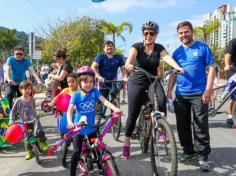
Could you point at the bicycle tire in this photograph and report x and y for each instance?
(116, 128)
(111, 168)
(36, 153)
(45, 107)
(145, 133)
(158, 157)
(64, 151)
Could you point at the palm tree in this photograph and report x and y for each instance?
(111, 29)
(202, 32)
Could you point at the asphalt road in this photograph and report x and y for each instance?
(222, 158)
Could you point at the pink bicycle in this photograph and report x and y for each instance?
(97, 152)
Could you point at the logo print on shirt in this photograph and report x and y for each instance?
(87, 105)
(195, 53)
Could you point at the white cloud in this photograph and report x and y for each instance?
(196, 20)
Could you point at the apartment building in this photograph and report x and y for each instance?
(226, 15)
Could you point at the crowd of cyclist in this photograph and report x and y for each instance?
(193, 86)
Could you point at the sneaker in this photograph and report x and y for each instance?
(126, 152)
(187, 157)
(229, 123)
(43, 146)
(29, 155)
(204, 166)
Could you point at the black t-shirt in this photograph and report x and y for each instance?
(231, 49)
(147, 62)
(68, 68)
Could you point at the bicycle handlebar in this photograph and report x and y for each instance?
(83, 123)
(156, 77)
(14, 84)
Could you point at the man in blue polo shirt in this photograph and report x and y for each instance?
(16, 67)
(106, 66)
(193, 92)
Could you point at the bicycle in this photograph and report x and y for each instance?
(214, 105)
(30, 137)
(97, 152)
(153, 130)
(114, 98)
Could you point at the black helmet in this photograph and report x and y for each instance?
(152, 25)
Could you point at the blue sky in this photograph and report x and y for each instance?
(31, 15)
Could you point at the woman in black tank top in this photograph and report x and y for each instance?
(146, 55)
(64, 68)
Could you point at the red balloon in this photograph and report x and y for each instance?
(14, 133)
(62, 102)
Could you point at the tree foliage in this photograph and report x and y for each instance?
(83, 39)
(202, 31)
(116, 30)
(8, 41)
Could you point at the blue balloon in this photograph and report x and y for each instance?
(62, 126)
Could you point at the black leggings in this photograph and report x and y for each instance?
(136, 98)
(78, 141)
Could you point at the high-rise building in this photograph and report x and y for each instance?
(226, 15)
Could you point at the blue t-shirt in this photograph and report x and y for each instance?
(18, 68)
(194, 59)
(86, 105)
(108, 67)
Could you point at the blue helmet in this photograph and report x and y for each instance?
(152, 25)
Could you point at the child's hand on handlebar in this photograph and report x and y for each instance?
(118, 110)
(181, 70)
(70, 126)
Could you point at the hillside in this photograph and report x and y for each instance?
(21, 36)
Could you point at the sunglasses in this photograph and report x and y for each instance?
(149, 33)
(19, 54)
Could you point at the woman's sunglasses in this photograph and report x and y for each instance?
(149, 33)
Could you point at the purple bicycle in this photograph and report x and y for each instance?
(97, 152)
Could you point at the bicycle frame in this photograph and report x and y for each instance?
(215, 111)
(79, 127)
(113, 92)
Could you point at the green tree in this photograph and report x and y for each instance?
(8, 41)
(202, 32)
(82, 37)
(116, 30)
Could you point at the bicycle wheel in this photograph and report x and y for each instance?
(145, 133)
(163, 150)
(36, 152)
(111, 168)
(45, 107)
(64, 150)
(116, 128)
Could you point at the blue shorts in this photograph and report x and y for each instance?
(233, 96)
